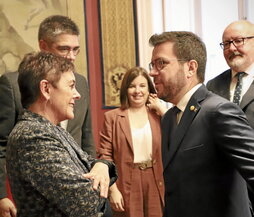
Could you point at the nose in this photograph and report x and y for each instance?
(70, 56)
(232, 47)
(153, 72)
(137, 89)
(76, 95)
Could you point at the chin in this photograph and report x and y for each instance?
(70, 116)
(159, 93)
(235, 64)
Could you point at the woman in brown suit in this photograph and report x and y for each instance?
(131, 138)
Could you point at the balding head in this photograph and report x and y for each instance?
(238, 41)
(238, 27)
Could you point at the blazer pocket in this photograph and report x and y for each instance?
(193, 147)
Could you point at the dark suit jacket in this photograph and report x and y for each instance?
(10, 107)
(210, 156)
(221, 86)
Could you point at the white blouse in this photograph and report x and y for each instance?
(142, 143)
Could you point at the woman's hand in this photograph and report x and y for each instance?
(155, 104)
(116, 199)
(100, 175)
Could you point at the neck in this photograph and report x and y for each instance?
(184, 90)
(137, 109)
(42, 109)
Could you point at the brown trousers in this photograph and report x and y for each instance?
(144, 196)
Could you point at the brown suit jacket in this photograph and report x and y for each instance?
(116, 145)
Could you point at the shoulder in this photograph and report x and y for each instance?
(11, 77)
(220, 78)
(79, 76)
(31, 123)
(206, 100)
(80, 79)
(81, 84)
(153, 115)
(218, 108)
(115, 113)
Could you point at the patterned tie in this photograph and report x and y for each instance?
(238, 88)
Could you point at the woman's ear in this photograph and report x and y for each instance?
(45, 88)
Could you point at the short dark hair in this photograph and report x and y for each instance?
(35, 67)
(187, 46)
(129, 76)
(56, 25)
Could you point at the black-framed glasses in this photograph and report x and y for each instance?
(65, 50)
(236, 42)
(160, 63)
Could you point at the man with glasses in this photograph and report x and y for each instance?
(58, 35)
(207, 142)
(238, 49)
(236, 84)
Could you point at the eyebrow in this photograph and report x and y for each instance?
(67, 46)
(72, 81)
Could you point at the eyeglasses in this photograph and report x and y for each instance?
(65, 50)
(160, 63)
(236, 42)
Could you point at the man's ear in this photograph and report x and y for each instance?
(45, 89)
(193, 66)
(43, 45)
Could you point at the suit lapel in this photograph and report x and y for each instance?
(166, 122)
(248, 96)
(74, 150)
(125, 126)
(225, 85)
(155, 129)
(189, 114)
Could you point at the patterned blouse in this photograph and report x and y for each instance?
(45, 167)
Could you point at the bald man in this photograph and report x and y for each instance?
(238, 49)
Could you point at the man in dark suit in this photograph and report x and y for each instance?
(59, 35)
(238, 50)
(209, 156)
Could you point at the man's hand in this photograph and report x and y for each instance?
(7, 208)
(99, 173)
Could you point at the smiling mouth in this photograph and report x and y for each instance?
(137, 96)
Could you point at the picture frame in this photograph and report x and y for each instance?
(119, 49)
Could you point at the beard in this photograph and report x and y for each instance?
(236, 61)
(172, 87)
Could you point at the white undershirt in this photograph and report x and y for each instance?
(64, 124)
(247, 80)
(142, 143)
